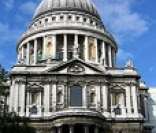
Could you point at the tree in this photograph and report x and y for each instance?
(3, 80)
(9, 121)
(4, 88)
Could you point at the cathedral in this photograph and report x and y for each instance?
(66, 79)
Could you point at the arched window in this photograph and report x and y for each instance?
(76, 95)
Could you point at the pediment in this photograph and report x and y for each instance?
(34, 87)
(75, 67)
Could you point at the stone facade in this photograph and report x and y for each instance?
(66, 80)
(152, 109)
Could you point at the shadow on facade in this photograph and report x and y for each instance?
(15, 125)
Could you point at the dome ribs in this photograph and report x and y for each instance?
(47, 6)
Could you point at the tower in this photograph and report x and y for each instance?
(66, 79)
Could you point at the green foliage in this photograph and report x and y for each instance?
(3, 79)
(15, 124)
(3, 74)
(10, 123)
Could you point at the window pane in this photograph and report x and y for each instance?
(76, 96)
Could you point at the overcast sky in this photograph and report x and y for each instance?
(132, 22)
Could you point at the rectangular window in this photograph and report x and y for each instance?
(76, 96)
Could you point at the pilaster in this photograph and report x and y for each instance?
(128, 99)
(85, 101)
(105, 98)
(54, 96)
(134, 97)
(98, 98)
(22, 98)
(46, 98)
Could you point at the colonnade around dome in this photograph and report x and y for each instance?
(64, 47)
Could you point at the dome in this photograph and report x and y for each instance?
(62, 30)
(85, 6)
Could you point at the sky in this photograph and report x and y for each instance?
(132, 23)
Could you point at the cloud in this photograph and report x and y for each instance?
(8, 34)
(121, 19)
(28, 7)
(151, 69)
(8, 4)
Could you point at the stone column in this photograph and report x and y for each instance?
(76, 47)
(22, 53)
(110, 55)
(40, 104)
(86, 48)
(44, 47)
(46, 98)
(35, 51)
(96, 47)
(71, 129)
(54, 46)
(54, 96)
(59, 129)
(27, 104)
(86, 129)
(65, 48)
(28, 52)
(96, 130)
(65, 96)
(113, 57)
(146, 107)
(128, 99)
(105, 98)
(135, 101)
(104, 53)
